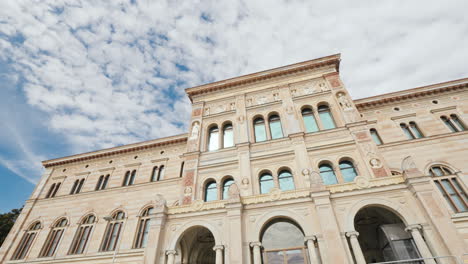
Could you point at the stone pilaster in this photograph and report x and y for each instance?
(235, 251)
(156, 232)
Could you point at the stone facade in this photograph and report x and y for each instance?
(393, 176)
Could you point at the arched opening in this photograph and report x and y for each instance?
(196, 247)
(283, 242)
(382, 236)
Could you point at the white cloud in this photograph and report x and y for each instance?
(106, 72)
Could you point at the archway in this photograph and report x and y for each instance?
(283, 242)
(196, 247)
(382, 236)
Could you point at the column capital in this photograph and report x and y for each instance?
(414, 227)
(171, 252)
(218, 247)
(352, 234)
(313, 238)
(255, 244)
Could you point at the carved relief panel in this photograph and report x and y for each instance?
(308, 87)
(262, 97)
(220, 106)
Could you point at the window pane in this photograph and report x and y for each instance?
(275, 257)
(375, 137)
(326, 118)
(145, 233)
(210, 192)
(437, 171)
(442, 191)
(213, 139)
(161, 173)
(295, 256)
(328, 175)
(286, 181)
(310, 123)
(348, 171)
(457, 121)
(275, 127)
(227, 183)
(405, 129)
(114, 236)
(83, 240)
(228, 140)
(282, 235)
(154, 174)
(415, 130)
(266, 183)
(460, 189)
(448, 124)
(260, 132)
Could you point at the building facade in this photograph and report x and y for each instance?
(280, 166)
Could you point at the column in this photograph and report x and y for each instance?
(356, 248)
(415, 231)
(310, 242)
(171, 256)
(257, 257)
(219, 253)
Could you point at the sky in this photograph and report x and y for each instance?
(77, 76)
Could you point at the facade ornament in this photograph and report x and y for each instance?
(408, 164)
(362, 182)
(293, 92)
(245, 181)
(159, 201)
(232, 106)
(249, 101)
(276, 96)
(207, 111)
(323, 87)
(275, 194)
(188, 190)
(375, 163)
(241, 119)
(197, 205)
(195, 130)
(290, 109)
(305, 172)
(261, 100)
(233, 191)
(344, 102)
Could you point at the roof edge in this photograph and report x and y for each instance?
(262, 75)
(411, 93)
(116, 150)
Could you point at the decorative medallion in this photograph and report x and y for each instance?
(197, 205)
(375, 163)
(275, 194)
(362, 182)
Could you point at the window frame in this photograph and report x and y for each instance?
(84, 230)
(207, 190)
(376, 136)
(282, 178)
(448, 176)
(260, 181)
(213, 137)
(322, 109)
(274, 119)
(27, 240)
(259, 121)
(118, 220)
(309, 113)
(54, 238)
(143, 227)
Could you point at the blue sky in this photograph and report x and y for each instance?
(82, 75)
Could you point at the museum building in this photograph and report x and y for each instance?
(280, 166)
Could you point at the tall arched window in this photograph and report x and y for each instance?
(77, 186)
(453, 123)
(100, 185)
(407, 131)
(259, 130)
(275, 127)
(213, 138)
(266, 182)
(210, 191)
(348, 171)
(143, 228)
(309, 120)
(53, 190)
(26, 242)
(285, 180)
(283, 242)
(226, 184)
(449, 186)
(181, 173)
(326, 117)
(161, 173)
(112, 234)
(228, 136)
(328, 174)
(154, 174)
(53, 239)
(82, 235)
(415, 129)
(375, 136)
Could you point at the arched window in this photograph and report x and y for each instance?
(285, 180)
(213, 138)
(143, 228)
(449, 186)
(228, 136)
(275, 127)
(347, 171)
(53, 190)
(53, 239)
(283, 242)
(210, 191)
(328, 174)
(161, 173)
(112, 234)
(181, 173)
(82, 235)
(104, 183)
(453, 123)
(309, 120)
(406, 130)
(326, 117)
(375, 136)
(26, 242)
(226, 184)
(415, 129)
(77, 186)
(132, 178)
(99, 183)
(259, 130)
(266, 182)
(154, 174)
(126, 179)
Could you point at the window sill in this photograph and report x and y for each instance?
(460, 217)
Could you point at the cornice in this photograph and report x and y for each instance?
(117, 150)
(409, 94)
(333, 60)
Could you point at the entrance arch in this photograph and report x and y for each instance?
(382, 236)
(283, 242)
(196, 247)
